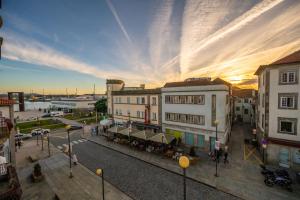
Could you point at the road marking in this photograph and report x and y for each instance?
(80, 141)
(75, 142)
(84, 140)
(59, 147)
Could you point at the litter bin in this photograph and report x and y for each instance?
(298, 177)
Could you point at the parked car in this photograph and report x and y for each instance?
(75, 127)
(39, 131)
(46, 115)
(57, 113)
(22, 136)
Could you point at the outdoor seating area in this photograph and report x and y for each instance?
(147, 140)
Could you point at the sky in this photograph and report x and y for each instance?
(59, 45)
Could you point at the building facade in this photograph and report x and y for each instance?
(190, 109)
(244, 105)
(135, 105)
(278, 114)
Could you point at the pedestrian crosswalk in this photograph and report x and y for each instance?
(60, 147)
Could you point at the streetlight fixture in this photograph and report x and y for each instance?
(49, 153)
(216, 147)
(99, 172)
(68, 127)
(184, 163)
(264, 146)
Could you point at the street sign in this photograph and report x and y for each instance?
(217, 145)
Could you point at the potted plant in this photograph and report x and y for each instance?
(37, 175)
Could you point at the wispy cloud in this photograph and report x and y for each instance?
(26, 50)
(116, 16)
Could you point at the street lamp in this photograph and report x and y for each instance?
(99, 172)
(184, 163)
(68, 127)
(216, 147)
(264, 146)
(49, 153)
(254, 133)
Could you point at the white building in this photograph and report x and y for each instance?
(70, 104)
(190, 108)
(278, 116)
(244, 105)
(134, 104)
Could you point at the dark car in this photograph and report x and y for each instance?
(75, 127)
(46, 115)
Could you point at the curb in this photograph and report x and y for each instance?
(168, 170)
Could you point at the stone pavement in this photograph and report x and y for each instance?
(240, 178)
(84, 184)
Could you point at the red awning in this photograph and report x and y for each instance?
(6, 102)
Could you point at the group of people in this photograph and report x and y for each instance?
(218, 154)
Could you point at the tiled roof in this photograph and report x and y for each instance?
(292, 58)
(134, 92)
(6, 102)
(200, 82)
(242, 93)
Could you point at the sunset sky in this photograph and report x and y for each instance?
(59, 44)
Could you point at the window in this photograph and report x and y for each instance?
(143, 100)
(142, 114)
(237, 108)
(128, 100)
(287, 77)
(227, 99)
(117, 112)
(263, 121)
(246, 101)
(258, 98)
(263, 100)
(287, 125)
(246, 111)
(185, 99)
(263, 79)
(153, 100)
(128, 112)
(185, 118)
(154, 116)
(239, 101)
(138, 100)
(287, 100)
(138, 114)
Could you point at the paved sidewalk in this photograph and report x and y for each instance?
(84, 185)
(240, 178)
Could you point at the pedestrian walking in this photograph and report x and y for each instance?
(19, 143)
(74, 159)
(226, 155)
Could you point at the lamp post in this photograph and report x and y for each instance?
(216, 147)
(49, 153)
(99, 172)
(68, 130)
(184, 163)
(254, 133)
(264, 146)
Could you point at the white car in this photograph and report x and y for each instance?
(23, 136)
(39, 131)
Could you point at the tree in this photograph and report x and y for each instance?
(101, 106)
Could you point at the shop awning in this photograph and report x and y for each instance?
(144, 134)
(162, 138)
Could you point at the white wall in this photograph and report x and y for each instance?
(274, 112)
(222, 109)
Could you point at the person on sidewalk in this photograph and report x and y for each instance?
(74, 158)
(226, 155)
